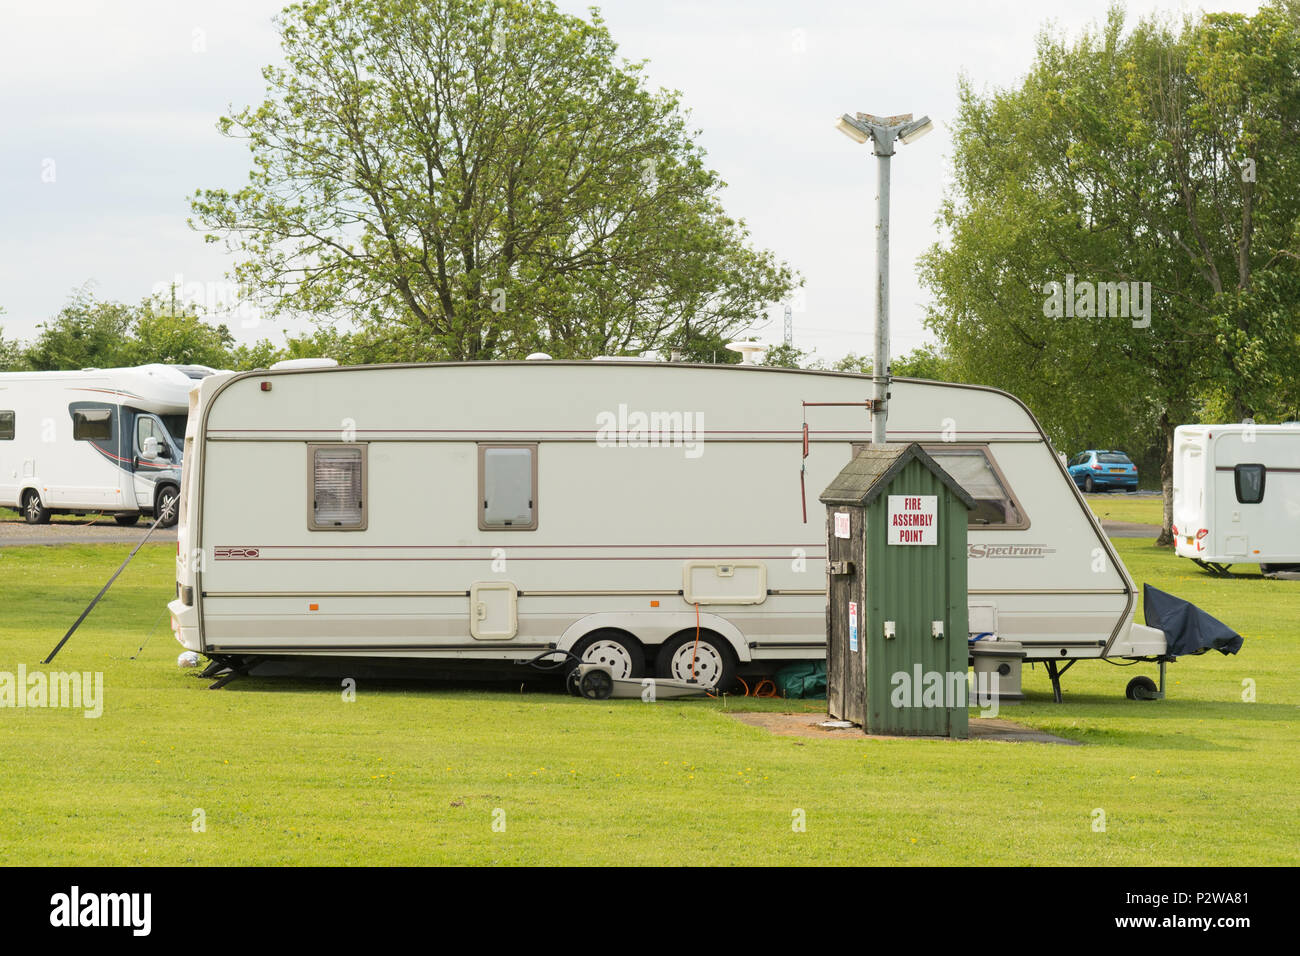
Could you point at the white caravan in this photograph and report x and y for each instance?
(1237, 495)
(98, 440)
(487, 512)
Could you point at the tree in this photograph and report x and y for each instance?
(924, 361)
(787, 356)
(1156, 163)
(693, 345)
(89, 333)
(160, 333)
(86, 333)
(477, 180)
(10, 352)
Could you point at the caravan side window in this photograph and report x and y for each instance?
(507, 487)
(337, 475)
(975, 470)
(1249, 483)
(6, 426)
(92, 424)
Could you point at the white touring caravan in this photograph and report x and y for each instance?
(99, 440)
(1237, 495)
(645, 515)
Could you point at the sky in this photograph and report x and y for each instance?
(108, 112)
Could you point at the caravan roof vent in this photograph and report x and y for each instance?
(749, 351)
(304, 363)
(539, 357)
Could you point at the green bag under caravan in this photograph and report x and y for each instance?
(807, 679)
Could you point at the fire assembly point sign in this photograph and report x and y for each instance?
(913, 519)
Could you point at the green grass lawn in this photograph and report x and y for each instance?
(1118, 506)
(286, 772)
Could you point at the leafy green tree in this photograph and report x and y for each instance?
(924, 361)
(175, 337)
(86, 333)
(690, 344)
(788, 356)
(478, 179)
(261, 354)
(11, 359)
(1163, 158)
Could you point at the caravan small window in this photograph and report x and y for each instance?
(1249, 482)
(92, 424)
(338, 487)
(6, 426)
(975, 470)
(507, 487)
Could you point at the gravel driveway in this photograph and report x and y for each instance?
(70, 529)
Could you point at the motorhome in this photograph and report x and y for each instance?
(96, 440)
(1237, 495)
(660, 518)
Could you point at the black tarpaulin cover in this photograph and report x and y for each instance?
(1188, 629)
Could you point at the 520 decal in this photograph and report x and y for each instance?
(224, 554)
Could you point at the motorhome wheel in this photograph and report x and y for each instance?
(618, 652)
(33, 510)
(127, 521)
(711, 663)
(166, 506)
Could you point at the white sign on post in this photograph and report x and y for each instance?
(841, 524)
(913, 519)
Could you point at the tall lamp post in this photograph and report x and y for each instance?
(882, 131)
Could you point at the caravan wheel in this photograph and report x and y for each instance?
(33, 511)
(711, 663)
(615, 650)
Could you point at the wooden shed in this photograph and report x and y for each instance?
(896, 616)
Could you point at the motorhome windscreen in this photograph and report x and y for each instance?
(338, 479)
(974, 470)
(175, 427)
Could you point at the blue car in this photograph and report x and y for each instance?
(1099, 470)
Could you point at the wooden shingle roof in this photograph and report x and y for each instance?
(863, 479)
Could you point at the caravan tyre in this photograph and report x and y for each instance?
(33, 511)
(711, 663)
(166, 506)
(619, 652)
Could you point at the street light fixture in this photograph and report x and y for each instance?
(882, 131)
